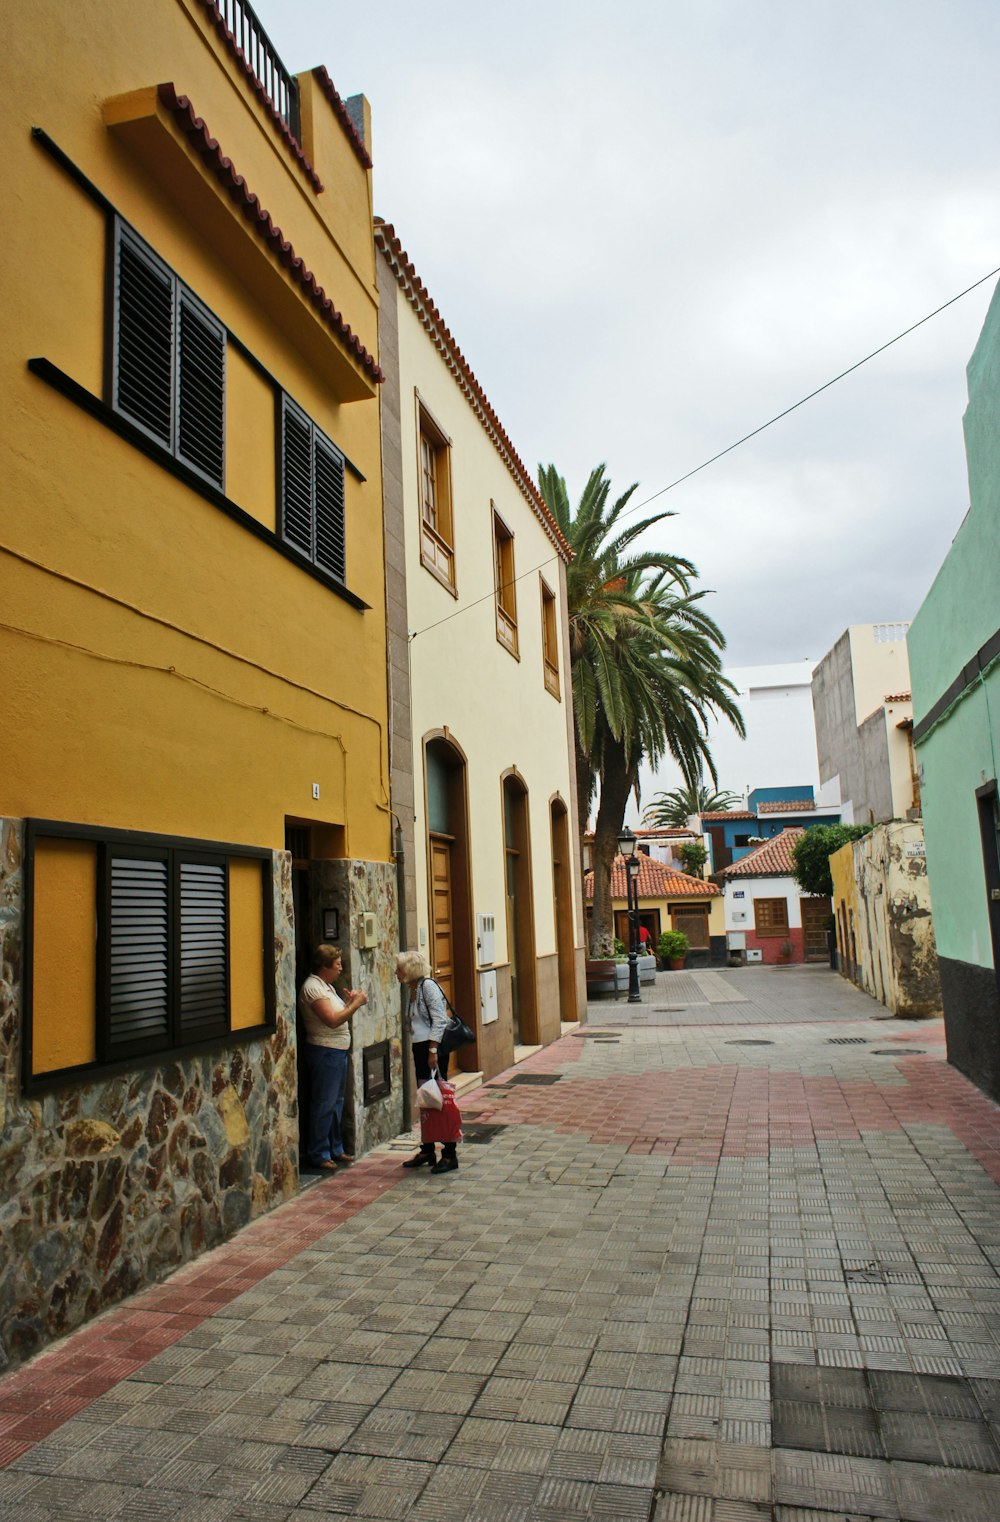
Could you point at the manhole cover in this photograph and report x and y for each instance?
(750, 1041)
(670, 1009)
(900, 1051)
(532, 1078)
(846, 1041)
(480, 1133)
(589, 1036)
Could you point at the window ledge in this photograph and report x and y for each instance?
(160, 128)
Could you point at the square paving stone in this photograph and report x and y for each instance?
(925, 1493)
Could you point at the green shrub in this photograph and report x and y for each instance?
(673, 945)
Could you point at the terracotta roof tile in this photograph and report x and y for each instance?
(420, 300)
(786, 806)
(772, 859)
(727, 814)
(656, 880)
(898, 697)
(342, 114)
(261, 221)
(291, 142)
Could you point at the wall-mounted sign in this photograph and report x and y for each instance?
(738, 893)
(916, 848)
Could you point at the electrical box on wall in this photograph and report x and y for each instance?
(367, 931)
(488, 1008)
(754, 954)
(486, 940)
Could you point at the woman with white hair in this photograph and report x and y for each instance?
(427, 1014)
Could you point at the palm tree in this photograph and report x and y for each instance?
(645, 665)
(674, 809)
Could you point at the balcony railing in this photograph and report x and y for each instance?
(259, 52)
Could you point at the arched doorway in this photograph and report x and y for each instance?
(520, 912)
(449, 894)
(562, 897)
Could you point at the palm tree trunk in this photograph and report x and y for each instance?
(618, 778)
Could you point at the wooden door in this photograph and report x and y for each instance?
(442, 957)
(815, 913)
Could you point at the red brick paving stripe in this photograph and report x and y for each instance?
(61, 1382)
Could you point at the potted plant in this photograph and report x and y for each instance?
(673, 948)
(785, 952)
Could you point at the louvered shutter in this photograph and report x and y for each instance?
(201, 390)
(144, 337)
(328, 478)
(296, 480)
(138, 955)
(203, 994)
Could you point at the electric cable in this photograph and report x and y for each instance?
(637, 506)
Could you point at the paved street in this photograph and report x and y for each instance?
(728, 1255)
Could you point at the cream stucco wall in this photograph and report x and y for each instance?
(880, 666)
(495, 707)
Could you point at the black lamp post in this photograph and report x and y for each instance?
(627, 846)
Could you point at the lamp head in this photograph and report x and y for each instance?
(627, 843)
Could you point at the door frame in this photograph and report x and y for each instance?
(463, 919)
(523, 956)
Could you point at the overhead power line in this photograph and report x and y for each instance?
(638, 506)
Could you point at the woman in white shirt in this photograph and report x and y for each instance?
(326, 1016)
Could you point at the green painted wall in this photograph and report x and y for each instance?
(959, 614)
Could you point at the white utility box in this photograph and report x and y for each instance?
(488, 1010)
(486, 940)
(754, 954)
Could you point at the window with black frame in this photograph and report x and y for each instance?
(168, 358)
(311, 487)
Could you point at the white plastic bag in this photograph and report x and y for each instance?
(429, 1095)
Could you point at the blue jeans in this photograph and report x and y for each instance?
(327, 1080)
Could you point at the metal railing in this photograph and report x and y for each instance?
(262, 58)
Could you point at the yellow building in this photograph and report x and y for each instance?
(668, 900)
(195, 754)
(482, 706)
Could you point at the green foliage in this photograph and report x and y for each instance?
(813, 850)
(673, 945)
(619, 947)
(694, 857)
(673, 810)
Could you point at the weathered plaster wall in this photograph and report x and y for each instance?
(109, 1185)
(882, 879)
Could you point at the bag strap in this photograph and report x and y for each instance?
(441, 991)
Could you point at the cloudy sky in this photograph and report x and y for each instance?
(653, 226)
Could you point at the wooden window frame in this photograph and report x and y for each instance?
(681, 912)
(315, 525)
(195, 400)
(437, 519)
(178, 1036)
(550, 638)
(772, 931)
(504, 584)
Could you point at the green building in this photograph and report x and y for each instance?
(954, 645)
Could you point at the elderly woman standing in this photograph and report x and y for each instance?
(326, 1017)
(427, 1014)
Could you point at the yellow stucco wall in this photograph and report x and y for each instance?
(64, 955)
(169, 671)
(495, 707)
(882, 892)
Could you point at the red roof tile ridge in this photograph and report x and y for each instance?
(342, 114)
(772, 858)
(720, 814)
(292, 143)
(786, 805)
(263, 224)
(898, 697)
(423, 304)
(656, 880)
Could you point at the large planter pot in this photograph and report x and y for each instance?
(647, 969)
(677, 964)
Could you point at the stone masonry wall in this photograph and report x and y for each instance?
(107, 1186)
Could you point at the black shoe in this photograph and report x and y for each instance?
(420, 1159)
(446, 1165)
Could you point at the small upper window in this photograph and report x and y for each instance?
(168, 372)
(312, 492)
(437, 538)
(550, 639)
(503, 577)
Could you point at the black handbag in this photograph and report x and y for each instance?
(456, 1032)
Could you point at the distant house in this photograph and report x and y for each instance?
(668, 900)
(765, 910)
(732, 835)
(864, 724)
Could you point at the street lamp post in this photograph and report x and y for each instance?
(627, 846)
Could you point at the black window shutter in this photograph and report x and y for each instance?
(201, 391)
(144, 339)
(203, 992)
(138, 955)
(328, 476)
(296, 479)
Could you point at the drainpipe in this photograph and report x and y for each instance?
(404, 1029)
